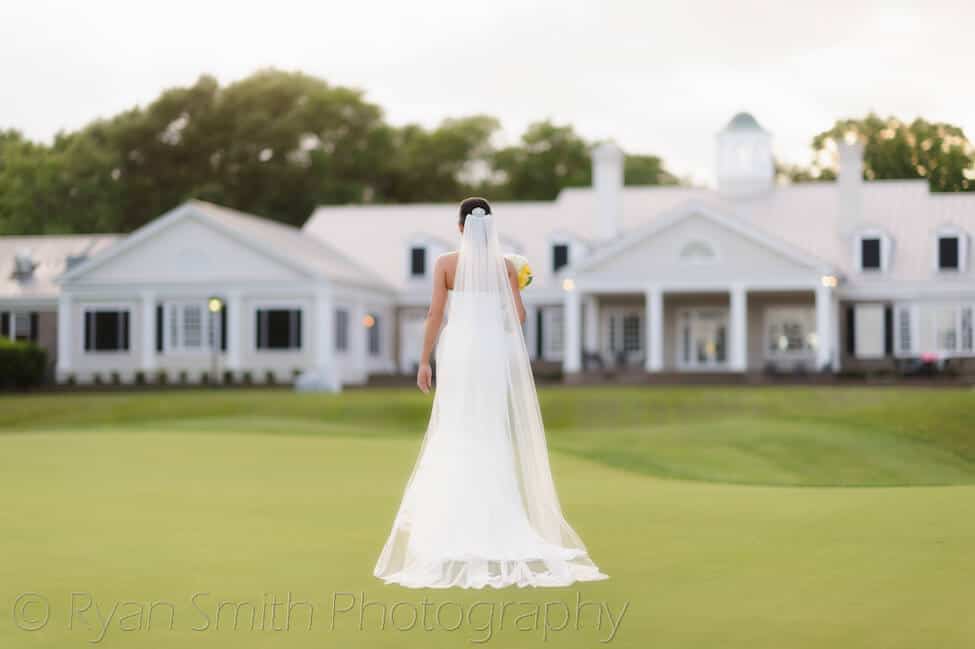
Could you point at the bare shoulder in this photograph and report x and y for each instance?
(447, 260)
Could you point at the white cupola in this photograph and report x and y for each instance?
(744, 165)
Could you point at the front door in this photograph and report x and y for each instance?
(622, 334)
(702, 338)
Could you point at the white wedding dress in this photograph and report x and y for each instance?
(480, 508)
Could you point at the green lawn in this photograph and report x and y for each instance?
(726, 518)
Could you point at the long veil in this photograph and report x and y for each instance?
(480, 507)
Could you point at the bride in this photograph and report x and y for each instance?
(480, 508)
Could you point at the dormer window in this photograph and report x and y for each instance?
(872, 252)
(560, 256)
(950, 250)
(418, 261)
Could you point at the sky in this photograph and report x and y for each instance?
(657, 77)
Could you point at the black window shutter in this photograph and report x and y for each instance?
(125, 331)
(850, 331)
(889, 330)
(538, 335)
(5, 324)
(33, 326)
(89, 318)
(298, 328)
(258, 331)
(159, 328)
(223, 326)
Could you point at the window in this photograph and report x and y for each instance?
(278, 329)
(19, 325)
(624, 331)
(870, 253)
(418, 261)
(375, 340)
(106, 330)
(790, 331)
(948, 253)
(945, 328)
(554, 332)
(968, 329)
(191, 327)
(341, 330)
(905, 320)
(704, 338)
(697, 252)
(560, 256)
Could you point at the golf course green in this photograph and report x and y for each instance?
(791, 517)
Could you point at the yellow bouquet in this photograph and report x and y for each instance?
(524, 271)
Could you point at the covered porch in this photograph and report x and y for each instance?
(735, 328)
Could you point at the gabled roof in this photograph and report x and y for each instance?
(50, 254)
(283, 243)
(692, 208)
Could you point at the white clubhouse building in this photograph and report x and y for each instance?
(749, 277)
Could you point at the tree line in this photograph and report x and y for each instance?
(280, 143)
(277, 144)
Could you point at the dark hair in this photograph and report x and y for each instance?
(468, 205)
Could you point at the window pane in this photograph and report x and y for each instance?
(947, 332)
(192, 326)
(631, 333)
(560, 256)
(341, 330)
(948, 253)
(904, 329)
(967, 333)
(20, 326)
(108, 330)
(870, 253)
(418, 261)
(374, 338)
(278, 328)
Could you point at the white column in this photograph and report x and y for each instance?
(824, 326)
(65, 335)
(572, 340)
(654, 317)
(235, 320)
(148, 342)
(590, 330)
(738, 298)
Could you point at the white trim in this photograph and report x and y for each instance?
(962, 236)
(885, 250)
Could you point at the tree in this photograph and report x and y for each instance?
(646, 170)
(548, 158)
(894, 149)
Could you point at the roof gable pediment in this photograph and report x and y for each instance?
(695, 243)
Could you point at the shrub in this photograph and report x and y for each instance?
(140, 378)
(116, 378)
(161, 377)
(184, 377)
(248, 377)
(269, 377)
(204, 378)
(22, 364)
(228, 377)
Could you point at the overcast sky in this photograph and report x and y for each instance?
(657, 77)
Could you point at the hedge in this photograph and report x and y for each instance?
(22, 364)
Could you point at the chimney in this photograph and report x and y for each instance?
(850, 181)
(607, 181)
(23, 264)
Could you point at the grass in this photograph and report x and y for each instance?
(256, 494)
